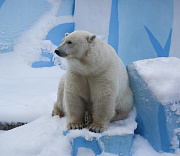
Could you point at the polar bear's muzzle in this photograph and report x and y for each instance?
(60, 53)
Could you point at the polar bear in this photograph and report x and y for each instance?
(96, 84)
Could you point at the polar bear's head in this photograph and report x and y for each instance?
(75, 45)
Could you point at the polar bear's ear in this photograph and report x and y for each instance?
(66, 34)
(91, 38)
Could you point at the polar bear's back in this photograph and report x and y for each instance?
(117, 65)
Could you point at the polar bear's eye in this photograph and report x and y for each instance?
(69, 42)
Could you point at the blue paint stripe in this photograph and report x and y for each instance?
(41, 64)
(81, 142)
(164, 135)
(66, 8)
(168, 44)
(113, 38)
(73, 8)
(56, 34)
(161, 52)
(155, 43)
(1, 2)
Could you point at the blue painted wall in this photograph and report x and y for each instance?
(160, 51)
(56, 34)
(145, 28)
(138, 29)
(16, 16)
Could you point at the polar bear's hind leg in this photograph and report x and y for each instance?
(124, 107)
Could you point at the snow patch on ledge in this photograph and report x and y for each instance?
(122, 127)
(162, 76)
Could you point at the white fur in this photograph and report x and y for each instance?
(96, 81)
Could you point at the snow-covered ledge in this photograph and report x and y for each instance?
(117, 139)
(156, 87)
(48, 135)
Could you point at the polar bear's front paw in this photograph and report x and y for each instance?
(75, 126)
(96, 128)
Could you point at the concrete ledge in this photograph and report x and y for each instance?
(117, 139)
(156, 122)
(117, 144)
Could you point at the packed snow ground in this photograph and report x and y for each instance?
(44, 136)
(26, 93)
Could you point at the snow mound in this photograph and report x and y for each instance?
(26, 93)
(45, 136)
(162, 76)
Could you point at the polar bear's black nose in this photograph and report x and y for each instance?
(57, 52)
(60, 53)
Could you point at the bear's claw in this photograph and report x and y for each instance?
(75, 126)
(96, 128)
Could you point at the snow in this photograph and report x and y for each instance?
(122, 127)
(162, 76)
(44, 136)
(2, 131)
(175, 139)
(41, 137)
(175, 108)
(26, 93)
(83, 151)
